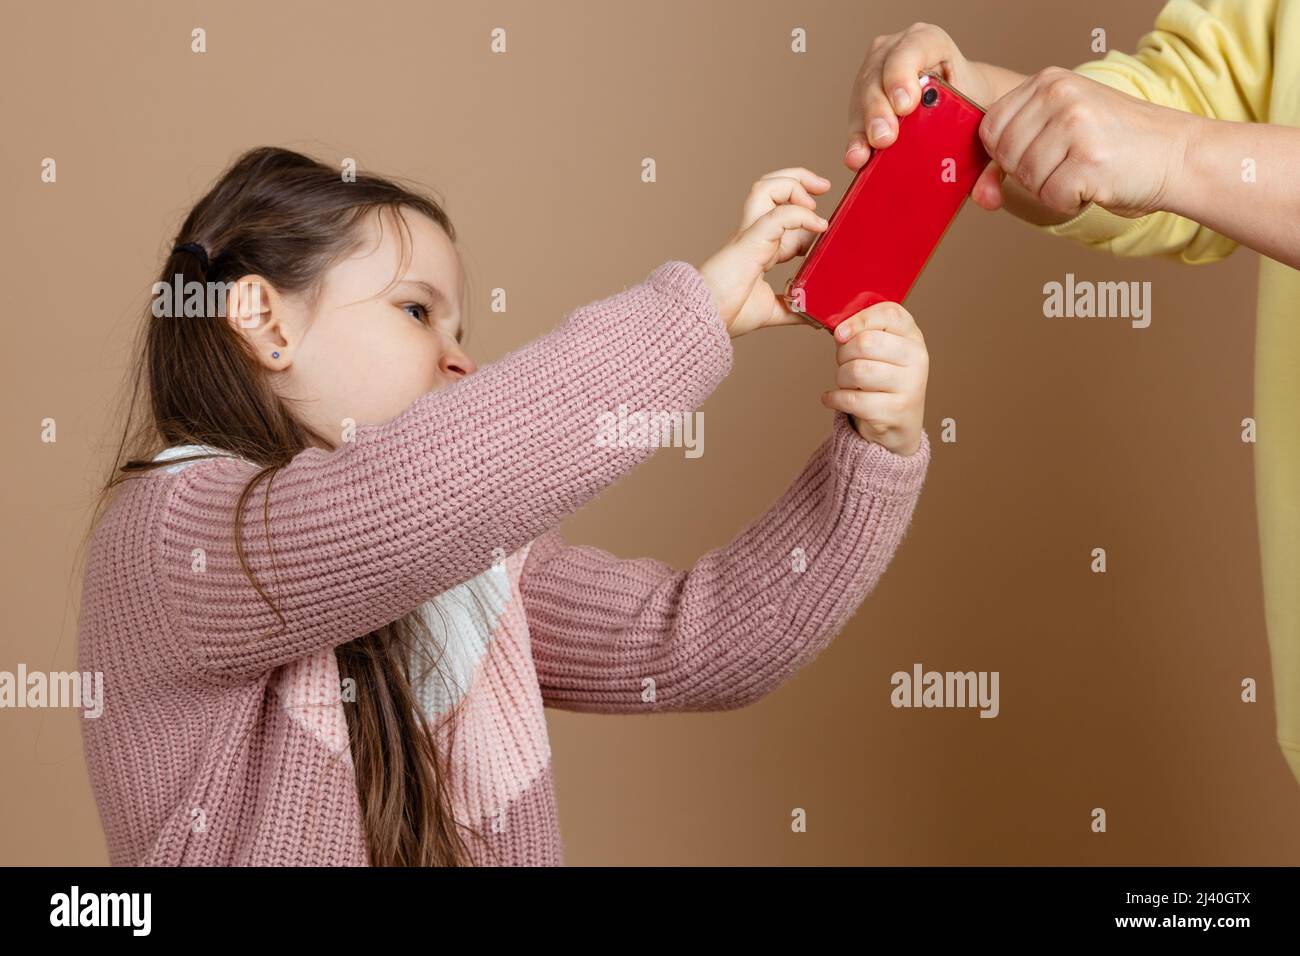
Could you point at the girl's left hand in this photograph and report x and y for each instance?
(778, 222)
(1069, 140)
(883, 369)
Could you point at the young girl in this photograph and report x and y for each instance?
(328, 598)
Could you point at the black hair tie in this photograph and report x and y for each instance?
(195, 250)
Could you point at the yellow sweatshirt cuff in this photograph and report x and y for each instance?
(1094, 224)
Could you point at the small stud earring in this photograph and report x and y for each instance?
(275, 355)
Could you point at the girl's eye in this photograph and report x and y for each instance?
(417, 312)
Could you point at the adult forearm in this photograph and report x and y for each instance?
(1240, 180)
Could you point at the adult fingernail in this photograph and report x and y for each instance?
(879, 130)
(902, 99)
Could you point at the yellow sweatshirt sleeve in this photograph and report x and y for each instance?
(1209, 57)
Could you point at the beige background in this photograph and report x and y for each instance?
(1118, 691)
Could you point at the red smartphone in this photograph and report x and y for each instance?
(895, 211)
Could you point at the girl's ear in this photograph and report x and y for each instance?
(258, 314)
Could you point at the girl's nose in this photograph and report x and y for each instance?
(456, 363)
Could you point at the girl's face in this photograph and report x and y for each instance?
(369, 346)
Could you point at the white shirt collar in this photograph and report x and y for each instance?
(183, 451)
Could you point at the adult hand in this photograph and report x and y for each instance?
(887, 85)
(1068, 140)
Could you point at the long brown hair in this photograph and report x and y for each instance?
(286, 217)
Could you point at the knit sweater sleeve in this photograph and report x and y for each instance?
(637, 636)
(345, 541)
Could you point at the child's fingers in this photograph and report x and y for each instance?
(881, 346)
(811, 181)
(804, 240)
(775, 189)
(767, 234)
(794, 243)
(888, 316)
(875, 408)
(867, 375)
(767, 194)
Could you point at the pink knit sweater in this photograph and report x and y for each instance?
(223, 739)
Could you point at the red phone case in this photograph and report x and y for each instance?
(894, 212)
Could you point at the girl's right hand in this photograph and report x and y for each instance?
(778, 222)
(881, 379)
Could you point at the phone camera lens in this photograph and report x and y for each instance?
(930, 96)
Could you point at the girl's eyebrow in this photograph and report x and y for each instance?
(436, 298)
